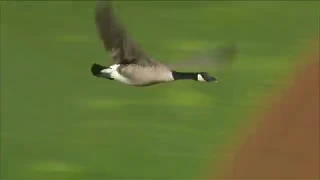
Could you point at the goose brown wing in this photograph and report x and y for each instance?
(220, 57)
(116, 39)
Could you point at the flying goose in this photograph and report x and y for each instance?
(132, 65)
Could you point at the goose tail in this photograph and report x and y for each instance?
(96, 69)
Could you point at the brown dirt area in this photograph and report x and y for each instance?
(286, 145)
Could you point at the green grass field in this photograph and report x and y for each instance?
(60, 122)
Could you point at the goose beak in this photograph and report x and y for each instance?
(206, 77)
(212, 79)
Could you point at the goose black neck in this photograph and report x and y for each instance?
(184, 75)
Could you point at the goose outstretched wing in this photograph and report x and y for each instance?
(220, 57)
(115, 37)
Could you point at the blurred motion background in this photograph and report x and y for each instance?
(60, 122)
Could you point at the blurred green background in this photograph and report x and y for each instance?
(60, 122)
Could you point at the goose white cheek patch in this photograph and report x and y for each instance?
(200, 78)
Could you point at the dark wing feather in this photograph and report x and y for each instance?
(115, 37)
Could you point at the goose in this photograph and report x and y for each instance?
(131, 65)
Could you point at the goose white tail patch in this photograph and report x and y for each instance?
(112, 70)
(117, 76)
(200, 78)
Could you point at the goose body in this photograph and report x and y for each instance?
(131, 65)
(136, 75)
